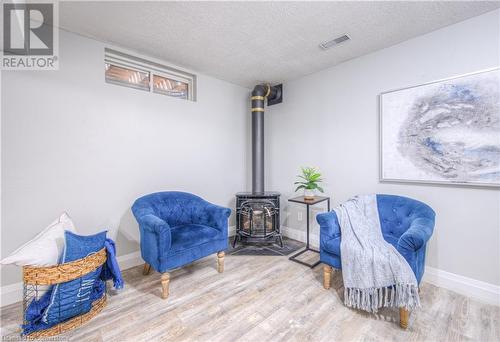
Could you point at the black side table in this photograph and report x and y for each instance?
(308, 203)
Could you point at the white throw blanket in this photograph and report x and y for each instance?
(375, 274)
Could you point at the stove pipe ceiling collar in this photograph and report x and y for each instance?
(274, 95)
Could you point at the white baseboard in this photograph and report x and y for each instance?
(300, 235)
(476, 289)
(130, 260)
(13, 293)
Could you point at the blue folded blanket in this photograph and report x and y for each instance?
(38, 314)
(111, 270)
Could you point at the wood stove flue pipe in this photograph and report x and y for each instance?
(273, 94)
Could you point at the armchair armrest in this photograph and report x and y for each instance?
(417, 235)
(153, 224)
(329, 224)
(216, 216)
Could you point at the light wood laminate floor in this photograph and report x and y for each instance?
(266, 298)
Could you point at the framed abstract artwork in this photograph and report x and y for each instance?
(446, 132)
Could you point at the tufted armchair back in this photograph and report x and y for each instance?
(397, 213)
(174, 207)
(407, 224)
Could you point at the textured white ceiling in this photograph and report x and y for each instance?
(251, 42)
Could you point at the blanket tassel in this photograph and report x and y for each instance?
(371, 299)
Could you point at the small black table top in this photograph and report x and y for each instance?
(317, 199)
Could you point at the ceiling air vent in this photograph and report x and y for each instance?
(333, 42)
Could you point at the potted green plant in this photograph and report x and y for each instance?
(309, 181)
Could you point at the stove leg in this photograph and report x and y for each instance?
(235, 240)
(280, 240)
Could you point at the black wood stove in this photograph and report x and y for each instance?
(258, 218)
(258, 212)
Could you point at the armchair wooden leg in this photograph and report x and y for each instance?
(165, 282)
(220, 262)
(327, 276)
(147, 269)
(404, 316)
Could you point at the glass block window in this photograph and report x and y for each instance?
(127, 77)
(170, 87)
(133, 72)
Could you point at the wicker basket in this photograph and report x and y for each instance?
(35, 277)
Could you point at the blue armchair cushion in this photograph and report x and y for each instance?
(189, 235)
(407, 224)
(178, 228)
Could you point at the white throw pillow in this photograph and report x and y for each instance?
(46, 248)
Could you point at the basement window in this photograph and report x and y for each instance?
(170, 87)
(127, 77)
(133, 72)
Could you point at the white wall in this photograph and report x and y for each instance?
(330, 119)
(72, 142)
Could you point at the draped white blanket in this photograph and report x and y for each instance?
(375, 274)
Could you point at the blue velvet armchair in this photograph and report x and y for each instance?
(407, 224)
(178, 228)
